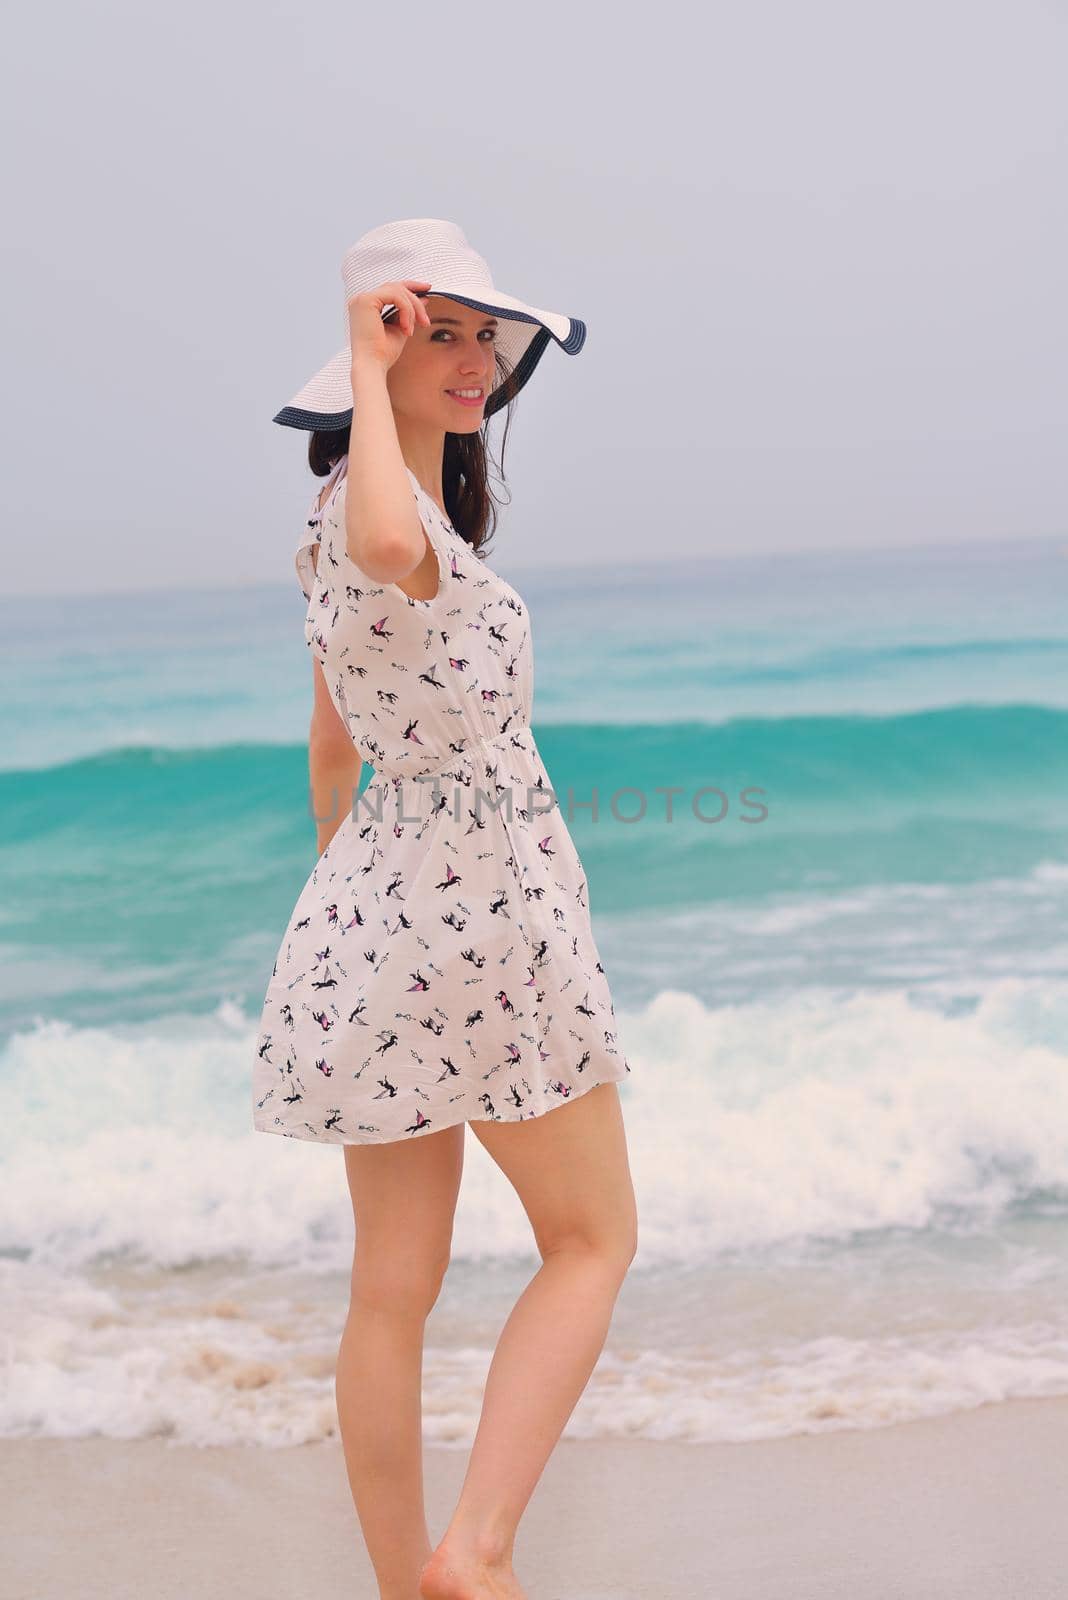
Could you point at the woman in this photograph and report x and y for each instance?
(439, 967)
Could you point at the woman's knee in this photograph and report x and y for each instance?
(407, 1283)
(611, 1248)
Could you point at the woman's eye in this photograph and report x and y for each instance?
(445, 333)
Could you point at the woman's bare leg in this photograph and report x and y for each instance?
(403, 1201)
(571, 1172)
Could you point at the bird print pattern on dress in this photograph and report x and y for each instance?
(439, 965)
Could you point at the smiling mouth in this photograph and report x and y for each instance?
(467, 397)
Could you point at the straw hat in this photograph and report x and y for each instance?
(436, 252)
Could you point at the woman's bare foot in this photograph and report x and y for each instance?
(457, 1573)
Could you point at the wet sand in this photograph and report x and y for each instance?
(966, 1507)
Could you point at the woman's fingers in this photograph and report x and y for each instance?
(373, 330)
(415, 307)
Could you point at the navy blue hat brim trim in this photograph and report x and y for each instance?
(329, 422)
(572, 344)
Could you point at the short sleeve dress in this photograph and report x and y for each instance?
(439, 965)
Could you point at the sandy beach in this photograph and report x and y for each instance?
(965, 1507)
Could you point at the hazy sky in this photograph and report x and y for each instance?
(821, 250)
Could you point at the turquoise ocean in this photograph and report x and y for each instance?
(822, 802)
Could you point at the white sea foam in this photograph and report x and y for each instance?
(818, 1116)
(250, 1361)
(852, 1212)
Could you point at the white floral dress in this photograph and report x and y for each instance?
(439, 965)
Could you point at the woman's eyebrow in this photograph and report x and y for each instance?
(455, 322)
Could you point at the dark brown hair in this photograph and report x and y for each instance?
(472, 508)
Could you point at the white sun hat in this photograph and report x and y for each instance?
(435, 252)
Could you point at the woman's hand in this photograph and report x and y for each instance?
(371, 339)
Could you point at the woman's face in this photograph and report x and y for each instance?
(455, 352)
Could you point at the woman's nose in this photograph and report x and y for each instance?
(474, 360)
